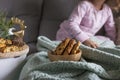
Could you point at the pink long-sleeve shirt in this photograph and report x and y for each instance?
(85, 21)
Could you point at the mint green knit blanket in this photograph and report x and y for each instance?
(102, 63)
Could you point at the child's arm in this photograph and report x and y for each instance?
(110, 27)
(72, 25)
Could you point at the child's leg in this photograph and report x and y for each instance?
(107, 46)
(103, 41)
(114, 51)
(118, 47)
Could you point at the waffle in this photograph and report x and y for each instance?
(68, 47)
(59, 50)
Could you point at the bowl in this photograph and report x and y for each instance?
(10, 68)
(72, 57)
(15, 54)
(12, 63)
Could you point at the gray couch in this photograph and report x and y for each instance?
(42, 17)
(28, 10)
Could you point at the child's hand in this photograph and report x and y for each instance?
(90, 43)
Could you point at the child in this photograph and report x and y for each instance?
(86, 20)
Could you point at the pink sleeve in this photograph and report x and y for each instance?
(73, 24)
(110, 27)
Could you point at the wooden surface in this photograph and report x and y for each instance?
(72, 57)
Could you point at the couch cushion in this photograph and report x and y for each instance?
(54, 12)
(32, 48)
(117, 20)
(28, 10)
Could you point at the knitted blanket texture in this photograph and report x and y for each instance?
(102, 63)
